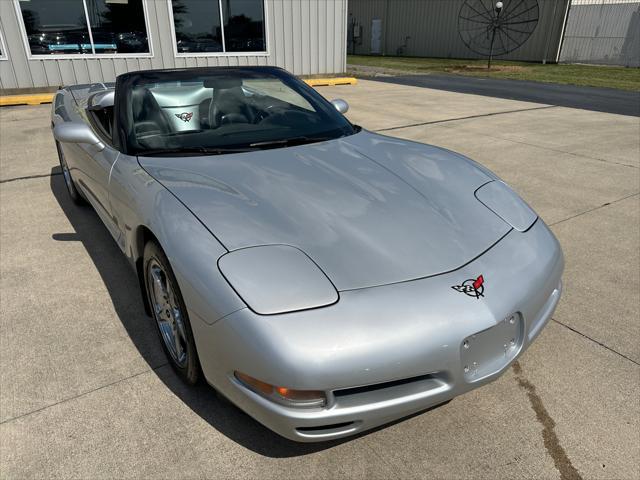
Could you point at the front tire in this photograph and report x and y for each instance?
(74, 194)
(170, 314)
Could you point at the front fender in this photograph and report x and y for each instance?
(139, 202)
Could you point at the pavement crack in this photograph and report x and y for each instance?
(557, 150)
(471, 117)
(595, 341)
(393, 466)
(84, 394)
(463, 118)
(595, 208)
(29, 177)
(549, 436)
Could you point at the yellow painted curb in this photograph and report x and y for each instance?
(323, 82)
(33, 99)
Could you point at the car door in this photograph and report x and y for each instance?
(97, 167)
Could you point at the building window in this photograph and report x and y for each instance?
(199, 28)
(243, 25)
(119, 24)
(71, 27)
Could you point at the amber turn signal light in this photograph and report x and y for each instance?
(283, 395)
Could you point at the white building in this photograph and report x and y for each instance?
(48, 43)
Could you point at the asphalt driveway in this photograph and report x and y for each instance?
(609, 100)
(85, 391)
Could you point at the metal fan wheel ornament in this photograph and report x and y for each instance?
(492, 28)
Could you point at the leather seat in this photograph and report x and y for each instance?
(148, 117)
(229, 106)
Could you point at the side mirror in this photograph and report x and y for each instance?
(341, 105)
(77, 133)
(101, 100)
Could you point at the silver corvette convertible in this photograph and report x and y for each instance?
(323, 278)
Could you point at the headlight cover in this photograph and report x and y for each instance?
(274, 279)
(507, 204)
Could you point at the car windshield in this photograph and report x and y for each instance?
(212, 111)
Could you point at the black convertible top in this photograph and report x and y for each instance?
(184, 73)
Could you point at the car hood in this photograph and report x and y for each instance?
(368, 209)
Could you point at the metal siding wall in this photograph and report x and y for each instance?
(339, 17)
(305, 24)
(603, 33)
(433, 28)
(297, 34)
(305, 37)
(314, 27)
(14, 72)
(322, 30)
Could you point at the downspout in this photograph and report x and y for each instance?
(345, 15)
(564, 26)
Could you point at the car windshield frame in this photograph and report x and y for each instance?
(128, 141)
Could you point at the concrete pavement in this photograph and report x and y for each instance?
(85, 391)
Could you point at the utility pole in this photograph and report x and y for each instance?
(495, 25)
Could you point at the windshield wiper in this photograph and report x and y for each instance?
(224, 150)
(190, 150)
(289, 142)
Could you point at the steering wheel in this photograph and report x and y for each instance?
(218, 117)
(265, 113)
(214, 113)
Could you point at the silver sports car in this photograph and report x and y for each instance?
(323, 278)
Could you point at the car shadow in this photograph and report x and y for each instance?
(122, 285)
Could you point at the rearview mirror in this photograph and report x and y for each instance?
(341, 105)
(77, 133)
(222, 83)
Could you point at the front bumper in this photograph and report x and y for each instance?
(386, 352)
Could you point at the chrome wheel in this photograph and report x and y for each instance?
(167, 312)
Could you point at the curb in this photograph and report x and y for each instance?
(324, 82)
(33, 99)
